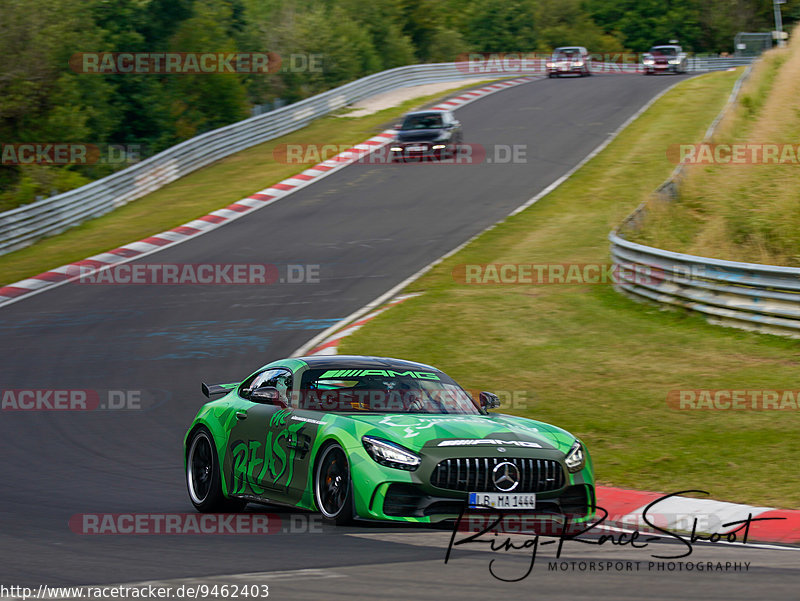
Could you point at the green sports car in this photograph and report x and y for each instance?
(377, 439)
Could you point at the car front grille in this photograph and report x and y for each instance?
(475, 474)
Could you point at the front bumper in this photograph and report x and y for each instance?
(567, 70)
(661, 68)
(419, 151)
(404, 501)
(399, 496)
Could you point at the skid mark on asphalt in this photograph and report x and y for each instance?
(209, 339)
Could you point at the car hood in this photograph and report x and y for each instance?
(420, 135)
(414, 431)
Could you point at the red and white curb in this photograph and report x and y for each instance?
(330, 345)
(626, 510)
(152, 244)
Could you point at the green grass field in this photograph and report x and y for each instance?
(592, 361)
(197, 194)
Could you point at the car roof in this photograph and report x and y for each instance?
(362, 362)
(428, 112)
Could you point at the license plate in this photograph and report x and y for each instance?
(502, 500)
(415, 148)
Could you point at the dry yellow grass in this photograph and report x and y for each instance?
(742, 212)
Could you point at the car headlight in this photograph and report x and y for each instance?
(576, 458)
(439, 146)
(396, 149)
(675, 61)
(550, 65)
(578, 64)
(391, 454)
(649, 61)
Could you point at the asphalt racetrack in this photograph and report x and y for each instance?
(367, 227)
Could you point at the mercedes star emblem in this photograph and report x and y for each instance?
(505, 476)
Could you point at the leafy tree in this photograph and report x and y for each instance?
(205, 101)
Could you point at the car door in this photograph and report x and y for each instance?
(259, 458)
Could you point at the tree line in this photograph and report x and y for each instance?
(42, 100)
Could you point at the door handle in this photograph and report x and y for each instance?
(241, 415)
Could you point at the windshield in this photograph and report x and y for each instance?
(423, 121)
(664, 50)
(382, 391)
(566, 53)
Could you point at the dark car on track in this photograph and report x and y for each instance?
(376, 438)
(569, 60)
(426, 134)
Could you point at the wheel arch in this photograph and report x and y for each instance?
(218, 438)
(328, 441)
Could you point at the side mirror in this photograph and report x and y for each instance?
(397, 126)
(489, 400)
(268, 395)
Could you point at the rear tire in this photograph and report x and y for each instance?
(333, 487)
(203, 478)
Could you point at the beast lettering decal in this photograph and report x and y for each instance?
(269, 463)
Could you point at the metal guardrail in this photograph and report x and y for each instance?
(750, 296)
(716, 64)
(22, 226)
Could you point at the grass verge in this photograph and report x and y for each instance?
(740, 211)
(593, 361)
(199, 193)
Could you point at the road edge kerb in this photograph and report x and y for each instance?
(53, 278)
(626, 506)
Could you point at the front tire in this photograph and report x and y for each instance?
(333, 488)
(203, 476)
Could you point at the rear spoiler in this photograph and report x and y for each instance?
(217, 389)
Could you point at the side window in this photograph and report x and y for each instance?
(278, 378)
